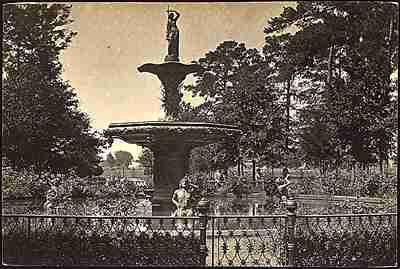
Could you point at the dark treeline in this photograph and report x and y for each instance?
(318, 91)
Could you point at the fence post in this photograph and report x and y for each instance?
(203, 207)
(29, 228)
(291, 206)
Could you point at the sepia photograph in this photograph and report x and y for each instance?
(200, 134)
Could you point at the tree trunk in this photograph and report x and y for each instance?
(320, 167)
(338, 163)
(340, 68)
(387, 167)
(287, 120)
(254, 170)
(330, 60)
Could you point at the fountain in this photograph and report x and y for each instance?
(171, 141)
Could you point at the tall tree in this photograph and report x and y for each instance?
(123, 159)
(349, 49)
(237, 90)
(146, 159)
(287, 62)
(43, 127)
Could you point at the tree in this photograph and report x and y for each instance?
(146, 159)
(43, 127)
(287, 63)
(237, 90)
(110, 160)
(347, 51)
(123, 159)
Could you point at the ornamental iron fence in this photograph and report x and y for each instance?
(247, 241)
(348, 240)
(77, 240)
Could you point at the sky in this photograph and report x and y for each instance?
(115, 38)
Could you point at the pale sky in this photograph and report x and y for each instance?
(115, 38)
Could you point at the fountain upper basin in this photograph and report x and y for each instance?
(151, 133)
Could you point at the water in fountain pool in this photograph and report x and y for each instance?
(227, 205)
(224, 205)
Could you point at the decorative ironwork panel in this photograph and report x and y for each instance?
(77, 240)
(246, 241)
(346, 240)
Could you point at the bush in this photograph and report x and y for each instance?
(373, 185)
(22, 184)
(334, 245)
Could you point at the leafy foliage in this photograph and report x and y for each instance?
(42, 124)
(22, 184)
(339, 243)
(146, 159)
(343, 55)
(123, 158)
(110, 160)
(237, 89)
(347, 184)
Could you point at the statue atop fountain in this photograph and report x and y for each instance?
(172, 36)
(171, 73)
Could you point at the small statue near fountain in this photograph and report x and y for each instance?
(51, 198)
(283, 184)
(183, 198)
(52, 202)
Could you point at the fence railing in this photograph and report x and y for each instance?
(247, 241)
(363, 240)
(77, 240)
(353, 240)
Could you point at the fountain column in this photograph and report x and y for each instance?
(171, 162)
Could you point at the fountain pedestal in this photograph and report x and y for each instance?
(171, 162)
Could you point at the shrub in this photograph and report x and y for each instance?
(22, 184)
(373, 185)
(335, 245)
(100, 243)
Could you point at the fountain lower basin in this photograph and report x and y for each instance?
(171, 143)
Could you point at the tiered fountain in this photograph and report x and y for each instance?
(171, 141)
